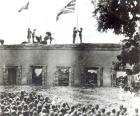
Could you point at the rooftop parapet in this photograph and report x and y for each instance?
(83, 46)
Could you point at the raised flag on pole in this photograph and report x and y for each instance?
(69, 8)
(25, 7)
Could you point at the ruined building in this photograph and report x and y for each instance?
(57, 65)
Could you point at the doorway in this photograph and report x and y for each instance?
(37, 75)
(63, 74)
(12, 75)
(91, 77)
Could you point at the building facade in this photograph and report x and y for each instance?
(57, 65)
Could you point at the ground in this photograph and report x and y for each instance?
(106, 97)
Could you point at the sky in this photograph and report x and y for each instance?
(41, 16)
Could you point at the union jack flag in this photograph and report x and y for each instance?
(69, 8)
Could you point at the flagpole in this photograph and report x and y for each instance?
(29, 18)
(26, 7)
(77, 15)
(77, 19)
(30, 14)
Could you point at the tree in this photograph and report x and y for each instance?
(119, 15)
(122, 16)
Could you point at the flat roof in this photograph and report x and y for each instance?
(82, 46)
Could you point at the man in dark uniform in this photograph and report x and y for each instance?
(33, 35)
(74, 34)
(29, 34)
(80, 34)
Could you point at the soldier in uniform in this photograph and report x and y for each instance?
(74, 34)
(29, 34)
(33, 35)
(80, 34)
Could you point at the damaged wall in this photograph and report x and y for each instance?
(75, 56)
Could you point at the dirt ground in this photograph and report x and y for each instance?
(106, 97)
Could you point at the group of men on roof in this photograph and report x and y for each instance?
(48, 36)
(38, 39)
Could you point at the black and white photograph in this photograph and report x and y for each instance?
(69, 57)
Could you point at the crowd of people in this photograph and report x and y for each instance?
(34, 104)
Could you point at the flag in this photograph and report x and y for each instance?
(25, 7)
(69, 8)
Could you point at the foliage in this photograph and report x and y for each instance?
(119, 15)
(122, 17)
(130, 55)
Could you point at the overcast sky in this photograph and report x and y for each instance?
(42, 16)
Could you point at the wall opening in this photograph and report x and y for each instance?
(91, 77)
(12, 75)
(37, 75)
(63, 76)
